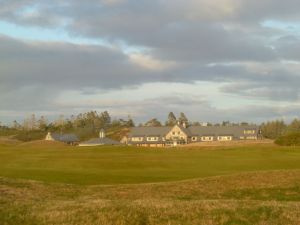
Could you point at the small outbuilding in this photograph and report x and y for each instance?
(102, 140)
(66, 138)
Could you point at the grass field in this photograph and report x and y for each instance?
(57, 184)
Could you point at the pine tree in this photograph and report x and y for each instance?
(183, 119)
(171, 119)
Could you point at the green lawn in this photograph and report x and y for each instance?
(121, 165)
(231, 185)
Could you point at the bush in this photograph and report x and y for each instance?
(292, 139)
(31, 135)
(5, 131)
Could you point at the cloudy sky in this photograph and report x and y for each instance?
(213, 59)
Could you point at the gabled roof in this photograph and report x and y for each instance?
(55, 136)
(184, 129)
(193, 131)
(64, 137)
(149, 131)
(100, 141)
(220, 130)
(69, 138)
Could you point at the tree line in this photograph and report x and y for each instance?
(278, 128)
(87, 125)
(182, 119)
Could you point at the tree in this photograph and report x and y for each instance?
(153, 123)
(105, 119)
(294, 126)
(171, 119)
(196, 123)
(225, 123)
(183, 119)
(244, 124)
(16, 125)
(30, 123)
(273, 129)
(42, 123)
(60, 122)
(130, 123)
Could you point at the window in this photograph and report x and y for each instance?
(137, 139)
(178, 132)
(173, 133)
(224, 138)
(249, 131)
(194, 138)
(207, 138)
(152, 138)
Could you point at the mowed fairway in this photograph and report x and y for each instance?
(56, 184)
(122, 165)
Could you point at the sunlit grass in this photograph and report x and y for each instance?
(57, 184)
(119, 165)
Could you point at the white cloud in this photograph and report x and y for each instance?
(148, 62)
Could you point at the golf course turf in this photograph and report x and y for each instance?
(58, 184)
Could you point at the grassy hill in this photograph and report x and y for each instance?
(57, 184)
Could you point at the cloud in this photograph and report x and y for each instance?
(148, 62)
(174, 30)
(224, 42)
(49, 69)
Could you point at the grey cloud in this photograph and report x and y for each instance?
(276, 84)
(288, 47)
(155, 25)
(64, 65)
(51, 68)
(207, 42)
(259, 90)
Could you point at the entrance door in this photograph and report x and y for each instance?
(174, 143)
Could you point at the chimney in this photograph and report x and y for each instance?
(102, 133)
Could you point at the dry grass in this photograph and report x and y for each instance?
(250, 198)
(8, 141)
(240, 197)
(232, 143)
(43, 144)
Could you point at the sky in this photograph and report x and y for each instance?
(215, 60)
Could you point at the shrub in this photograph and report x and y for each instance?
(31, 135)
(292, 139)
